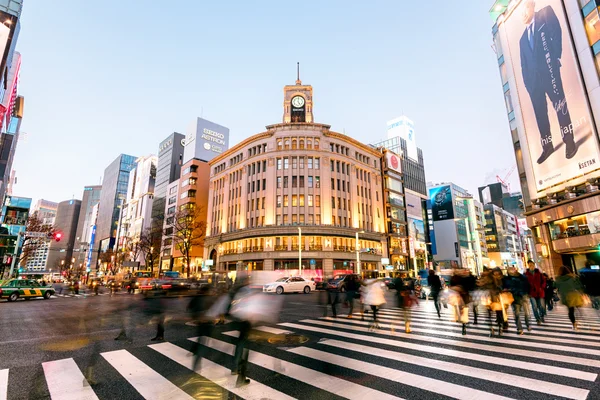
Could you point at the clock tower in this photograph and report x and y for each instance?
(297, 102)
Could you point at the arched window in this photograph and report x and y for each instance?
(309, 144)
(316, 144)
(286, 145)
(294, 144)
(279, 145)
(301, 144)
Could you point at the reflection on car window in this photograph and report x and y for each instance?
(281, 280)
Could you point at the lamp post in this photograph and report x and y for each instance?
(299, 251)
(358, 270)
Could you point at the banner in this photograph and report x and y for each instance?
(558, 127)
(441, 203)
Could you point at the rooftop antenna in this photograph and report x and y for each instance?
(298, 81)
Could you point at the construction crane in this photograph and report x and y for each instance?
(504, 181)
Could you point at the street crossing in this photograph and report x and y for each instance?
(347, 358)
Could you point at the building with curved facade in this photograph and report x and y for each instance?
(297, 193)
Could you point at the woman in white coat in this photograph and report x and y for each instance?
(374, 297)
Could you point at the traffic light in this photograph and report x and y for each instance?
(57, 236)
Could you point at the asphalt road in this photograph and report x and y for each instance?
(48, 347)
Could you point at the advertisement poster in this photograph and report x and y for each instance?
(416, 229)
(441, 203)
(559, 131)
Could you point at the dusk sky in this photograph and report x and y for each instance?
(111, 77)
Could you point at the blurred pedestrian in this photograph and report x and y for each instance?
(239, 290)
(435, 284)
(459, 284)
(405, 287)
(491, 282)
(198, 307)
(518, 285)
(537, 291)
(373, 298)
(352, 287)
(570, 291)
(549, 293)
(333, 298)
(470, 285)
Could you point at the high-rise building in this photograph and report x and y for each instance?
(548, 52)
(86, 245)
(61, 255)
(15, 213)
(136, 214)
(457, 226)
(498, 194)
(502, 237)
(45, 211)
(297, 195)
(11, 113)
(167, 245)
(168, 169)
(114, 191)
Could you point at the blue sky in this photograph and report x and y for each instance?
(111, 77)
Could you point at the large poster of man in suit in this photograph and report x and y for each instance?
(561, 139)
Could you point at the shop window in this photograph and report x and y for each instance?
(592, 27)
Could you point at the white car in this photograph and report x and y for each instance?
(290, 285)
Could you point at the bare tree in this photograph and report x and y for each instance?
(108, 257)
(37, 234)
(189, 229)
(150, 242)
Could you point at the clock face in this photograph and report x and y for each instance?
(298, 101)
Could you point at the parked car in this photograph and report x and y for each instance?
(338, 282)
(290, 285)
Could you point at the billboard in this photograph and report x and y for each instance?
(404, 128)
(441, 203)
(558, 127)
(393, 161)
(205, 140)
(413, 205)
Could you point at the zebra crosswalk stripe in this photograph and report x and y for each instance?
(493, 360)
(66, 382)
(149, 383)
(332, 384)
(218, 374)
(459, 343)
(3, 384)
(479, 373)
(429, 384)
(453, 326)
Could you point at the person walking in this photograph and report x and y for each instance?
(352, 287)
(333, 298)
(470, 285)
(518, 285)
(239, 291)
(491, 282)
(461, 297)
(435, 284)
(537, 291)
(373, 298)
(570, 291)
(198, 308)
(549, 293)
(405, 287)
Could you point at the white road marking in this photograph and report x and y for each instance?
(3, 384)
(512, 352)
(218, 374)
(536, 385)
(66, 382)
(332, 384)
(149, 383)
(394, 375)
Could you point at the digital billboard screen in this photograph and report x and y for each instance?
(558, 127)
(441, 203)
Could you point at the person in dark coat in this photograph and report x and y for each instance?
(240, 368)
(352, 287)
(470, 285)
(549, 293)
(405, 287)
(435, 284)
(198, 307)
(518, 285)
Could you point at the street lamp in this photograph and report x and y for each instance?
(357, 245)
